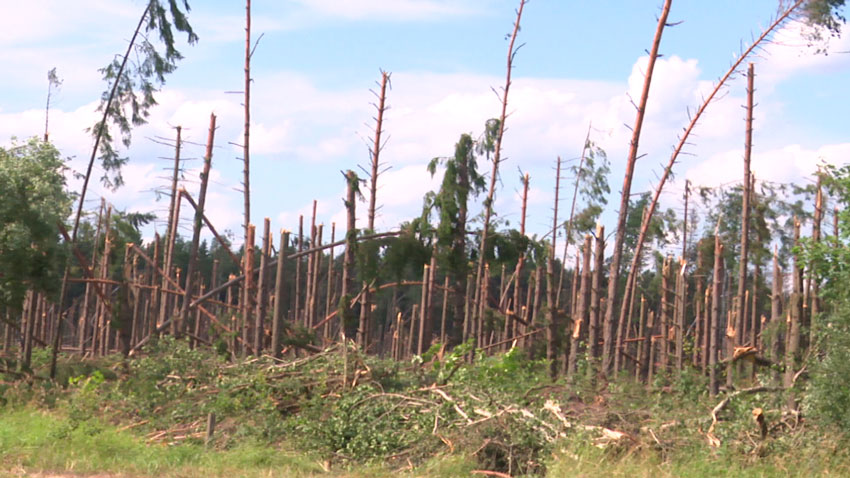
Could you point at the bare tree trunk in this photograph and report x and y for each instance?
(538, 296)
(820, 204)
(215, 309)
(330, 287)
(557, 301)
(568, 228)
(314, 287)
(494, 174)
(621, 326)
(701, 313)
(262, 289)
(156, 294)
(311, 263)
(247, 291)
(445, 310)
(281, 299)
(775, 305)
(740, 320)
(583, 307)
(246, 143)
(345, 312)
(297, 311)
(596, 297)
(551, 316)
(752, 330)
(28, 326)
(619, 238)
(681, 300)
(714, 345)
(794, 321)
(665, 313)
(102, 318)
(423, 310)
(196, 234)
(412, 331)
(683, 140)
(643, 344)
(518, 304)
(173, 221)
(375, 152)
(87, 297)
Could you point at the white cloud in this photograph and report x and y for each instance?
(792, 163)
(789, 53)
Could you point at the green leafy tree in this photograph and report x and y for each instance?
(829, 395)
(460, 181)
(35, 201)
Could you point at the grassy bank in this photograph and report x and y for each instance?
(335, 414)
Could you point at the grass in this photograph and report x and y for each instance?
(594, 463)
(299, 419)
(43, 441)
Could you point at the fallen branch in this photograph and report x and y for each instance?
(712, 439)
(490, 473)
(449, 399)
(608, 435)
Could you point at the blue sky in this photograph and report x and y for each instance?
(318, 59)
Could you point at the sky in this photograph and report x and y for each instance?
(318, 62)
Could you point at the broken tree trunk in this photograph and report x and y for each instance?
(795, 313)
(619, 238)
(262, 290)
(480, 277)
(583, 307)
(596, 296)
(683, 140)
(196, 230)
(247, 291)
(347, 319)
(281, 298)
(246, 140)
(714, 343)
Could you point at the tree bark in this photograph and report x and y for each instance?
(714, 344)
(262, 290)
(494, 174)
(740, 318)
(246, 141)
(248, 291)
(596, 296)
(683, 140)
(583, 307)
(346, 313)
(281, 299)
(794, 322)
(619, 238)
(196, 234)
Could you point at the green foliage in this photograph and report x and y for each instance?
(404, 256)
(460, 180)
(774, 206)
(823, 16)
(829, 396)
(593, 189)
(135, 83)
(34, 203)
